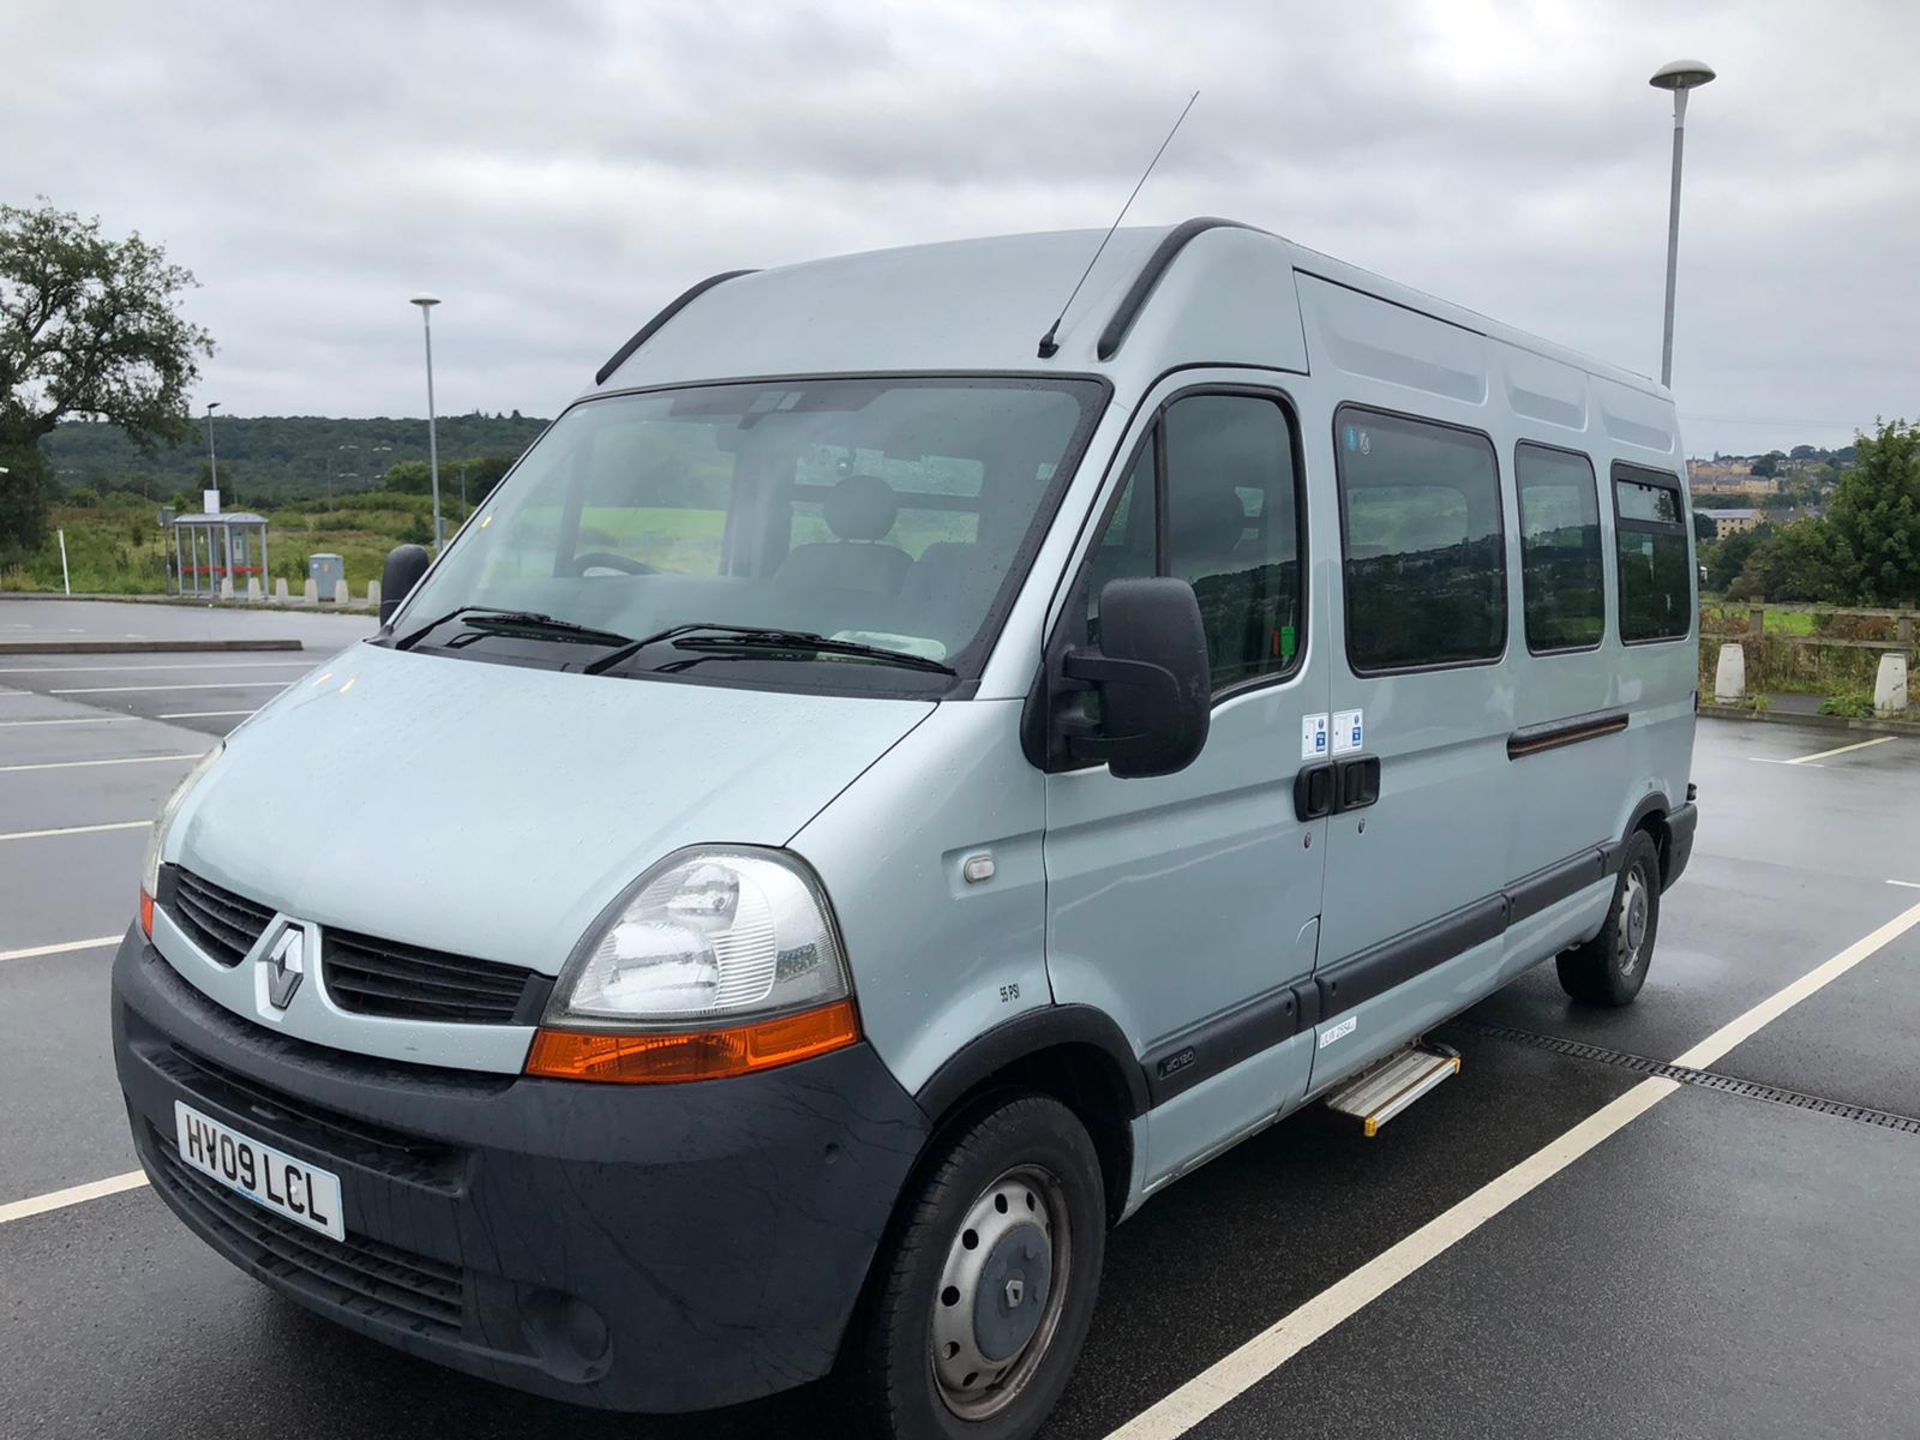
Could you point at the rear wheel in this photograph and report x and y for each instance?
(984, 1291)
(1610, 968)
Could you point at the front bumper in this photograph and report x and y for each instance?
(648, 1248)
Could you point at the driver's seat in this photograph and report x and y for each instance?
(860, 511)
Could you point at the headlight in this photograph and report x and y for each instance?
(157, 835)
(720, 961)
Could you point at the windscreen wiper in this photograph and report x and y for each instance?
(516, 622)
(722, 639)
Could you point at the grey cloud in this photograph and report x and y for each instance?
(556, 172)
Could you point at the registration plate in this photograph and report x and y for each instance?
(303, 1193)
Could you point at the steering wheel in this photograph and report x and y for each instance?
(607, 560)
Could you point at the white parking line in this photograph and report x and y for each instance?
(200, 685)
(1906, 884)
(74, 1195)
(79, 764)
(306, 664)
(1234, 1374)
(73, 720)
(1842, 750)
(66, 947)
(206, 714)
(77, 830)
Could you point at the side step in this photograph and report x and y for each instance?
(1379, 1094)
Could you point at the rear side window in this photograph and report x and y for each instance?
(1426, 565)
(1560, 559)
(1212, 500)
(1655, 555)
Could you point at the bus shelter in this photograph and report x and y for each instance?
(210, 548)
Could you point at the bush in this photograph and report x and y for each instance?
(1855, 704)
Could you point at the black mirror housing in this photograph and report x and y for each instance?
(405, 565)
(1151, 670)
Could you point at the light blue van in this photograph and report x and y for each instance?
(875, 795)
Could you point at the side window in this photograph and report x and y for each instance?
(1655, 555)
(1232, 529)
(1131, 540)
(1426, 565)
(1560, 560)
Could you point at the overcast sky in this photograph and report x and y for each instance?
(556, 172)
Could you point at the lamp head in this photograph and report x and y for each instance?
(425, 300)
(1681, 75)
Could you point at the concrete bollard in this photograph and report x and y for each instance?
(339, 592)
(1890, 686)
(373, 596)
(1730, 679)
(312, 595)
(253, 589)
(226, 587)
(280, 591)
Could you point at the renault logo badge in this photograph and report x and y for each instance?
(285, 963)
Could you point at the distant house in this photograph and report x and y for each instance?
(1731, 522)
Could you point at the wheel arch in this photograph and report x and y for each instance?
(1075, 1053)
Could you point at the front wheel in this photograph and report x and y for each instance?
(985, 1288)
(1610, 968)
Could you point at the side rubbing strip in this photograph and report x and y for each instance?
(1532, 739)
(647, 331)
(1164, 254)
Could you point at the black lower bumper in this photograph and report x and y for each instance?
(656, 1248)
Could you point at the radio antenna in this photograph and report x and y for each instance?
(1049, 347)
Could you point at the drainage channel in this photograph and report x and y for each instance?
(1686, 1075)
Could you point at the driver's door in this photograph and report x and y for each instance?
(1185, 906)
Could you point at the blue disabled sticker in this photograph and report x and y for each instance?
(1353, 438)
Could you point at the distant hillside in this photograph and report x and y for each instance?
(273, 457)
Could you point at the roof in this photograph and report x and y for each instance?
(1228, 295)
(1732, 513)
(225, 517)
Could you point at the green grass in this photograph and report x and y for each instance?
(114, 550)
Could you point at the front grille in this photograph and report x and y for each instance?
(373, 1147)
(364, 1276)
(404, 982)
(218, 921)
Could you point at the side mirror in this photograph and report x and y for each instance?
(1151, 672)
(405, 565)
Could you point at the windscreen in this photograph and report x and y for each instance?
(891, 516)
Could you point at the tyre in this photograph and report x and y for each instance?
(1610, 968)
(983, 1290)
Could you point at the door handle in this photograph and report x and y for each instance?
(1313, 791)
(1356, 783)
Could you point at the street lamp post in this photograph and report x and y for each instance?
(426, 303)
(1679, 76)
(213, 461)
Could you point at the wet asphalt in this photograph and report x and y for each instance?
(1723, 1266)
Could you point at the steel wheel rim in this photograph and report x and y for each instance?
(972, 1382)
(1634, 916)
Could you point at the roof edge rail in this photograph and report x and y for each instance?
(647, 331)
(1164, 254)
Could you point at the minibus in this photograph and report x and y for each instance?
(886, 785)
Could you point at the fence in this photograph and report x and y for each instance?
(1828, 650)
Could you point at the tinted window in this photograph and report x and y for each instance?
(1425, 557)
(1560, 561)
(1655, 555)
(1232, 529)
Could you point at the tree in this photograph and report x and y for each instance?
(1806, 560)
(1876, 511)
(1766, 466)
(1729, 557)
(89, 327)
